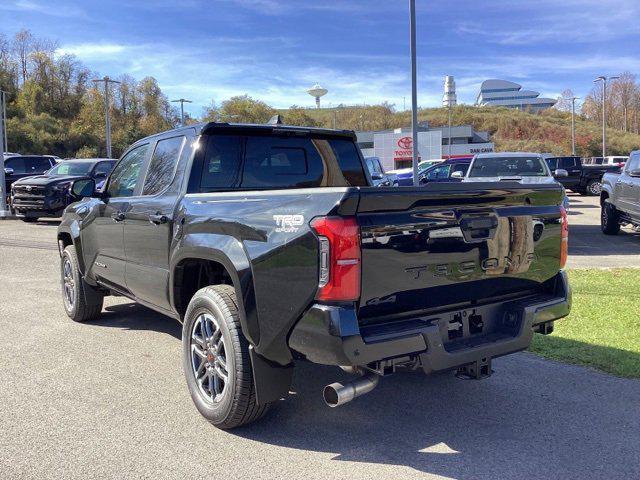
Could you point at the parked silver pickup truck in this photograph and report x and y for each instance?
(620, 197)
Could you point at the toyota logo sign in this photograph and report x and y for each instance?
(405, 143)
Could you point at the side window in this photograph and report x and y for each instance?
(124, 179)
(568, 163)
(273, 162)
(439, 172)
(37, 164)
(346, 152)
(553, 163)
(162, 165)
(460, 167)
(634, 162)
(102, 169)
(221, 162)
(17, 164)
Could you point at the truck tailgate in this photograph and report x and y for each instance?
(453, 245)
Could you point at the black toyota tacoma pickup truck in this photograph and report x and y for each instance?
(270, 244)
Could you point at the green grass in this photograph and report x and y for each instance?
(603, 330)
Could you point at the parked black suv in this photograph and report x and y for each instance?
(21, 166)
(271, 245)
(47, 195)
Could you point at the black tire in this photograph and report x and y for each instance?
(594, 188)
(236, 405)
(82, 302)
(609, 219)
(29, 219)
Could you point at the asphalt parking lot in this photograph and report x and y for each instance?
(107, 399)
(589, 248)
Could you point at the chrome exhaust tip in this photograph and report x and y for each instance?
(338, 394)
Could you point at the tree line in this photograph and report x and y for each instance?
(622, 106)
(54, 108)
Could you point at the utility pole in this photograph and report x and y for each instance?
(449, 129)
(414, 91)
(573, 124)
(4, 210)
(182, 102)
(107, 117)
(604, 81)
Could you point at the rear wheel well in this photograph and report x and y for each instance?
(64, 240)
(192, 274)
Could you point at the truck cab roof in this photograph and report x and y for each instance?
(204, 128)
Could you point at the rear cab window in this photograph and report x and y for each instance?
(247, 162)
(163, 165)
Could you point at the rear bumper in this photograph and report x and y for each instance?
(331, 335)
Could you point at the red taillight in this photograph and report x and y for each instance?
(564, 243)
(339, 276)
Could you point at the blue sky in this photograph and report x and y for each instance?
(276, 49)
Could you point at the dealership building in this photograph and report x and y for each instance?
(394, 148)
(502, 93)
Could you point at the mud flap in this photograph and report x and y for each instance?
(272, 381)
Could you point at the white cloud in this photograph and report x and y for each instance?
(94, 51)
(43, 8)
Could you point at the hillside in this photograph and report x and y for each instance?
(509, 129)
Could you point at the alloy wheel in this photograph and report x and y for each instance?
(208, 358)
(68, 283)
(595, 188)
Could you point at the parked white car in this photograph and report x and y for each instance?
(618, 161)
(522, 167)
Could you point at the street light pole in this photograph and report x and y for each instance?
(604, 80)
(573, 124)
(107, 116)
(414, 92)
(449, 104)
(182, 102)
(4, 211)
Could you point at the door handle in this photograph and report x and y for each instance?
(158, 219)
(118, 216)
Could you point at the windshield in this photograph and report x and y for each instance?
(507, 167)
(71, 168)
(427, 164)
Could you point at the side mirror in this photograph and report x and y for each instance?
(560, 172)
(83, 188)
(376, 176)
(635, 172)
(8, 171)
(457, 174)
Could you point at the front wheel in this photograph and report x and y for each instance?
(81, 301)
(216, 359)
(594, 188)
(609, 219)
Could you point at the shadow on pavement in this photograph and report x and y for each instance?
(131, 316)
(589, 240)
(532, 419)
